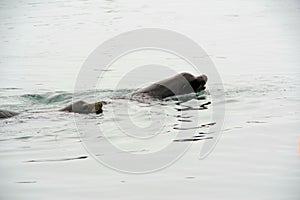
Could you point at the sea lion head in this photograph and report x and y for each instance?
(199, 83)
(98, 107)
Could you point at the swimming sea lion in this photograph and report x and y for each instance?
(183, 83)
(77, 107)
(84, 108)
(7, 114)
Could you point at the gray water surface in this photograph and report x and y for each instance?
(253, 44)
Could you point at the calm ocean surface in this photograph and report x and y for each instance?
(254, 46)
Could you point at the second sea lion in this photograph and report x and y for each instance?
(84, 107)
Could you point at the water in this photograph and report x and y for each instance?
(254, 47)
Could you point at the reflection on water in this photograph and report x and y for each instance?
(57, 160)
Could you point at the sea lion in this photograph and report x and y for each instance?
(77, 107)
(183, 83)
(84, 108)
(7, 114)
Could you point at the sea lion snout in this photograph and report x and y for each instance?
(98, 107)
(202, 81)
(204, 77)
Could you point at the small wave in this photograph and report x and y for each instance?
(26, 182)
(187, 97)
(10, 88)
(197, 127)
(55, 160)
(192, 139)
(255, 122)
(48, 98)
(66, 97)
